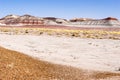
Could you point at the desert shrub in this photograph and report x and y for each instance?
(41, 33)
(26, 31)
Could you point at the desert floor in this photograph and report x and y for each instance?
(97, 55)
(94, 54)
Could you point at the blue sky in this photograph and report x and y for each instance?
(62, 8)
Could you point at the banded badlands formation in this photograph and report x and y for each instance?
(77, 22)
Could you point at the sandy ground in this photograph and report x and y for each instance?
(18, 66)
(91, 54)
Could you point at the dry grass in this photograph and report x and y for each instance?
(17, 66)
(82, 33)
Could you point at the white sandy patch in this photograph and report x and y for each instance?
(92, 54)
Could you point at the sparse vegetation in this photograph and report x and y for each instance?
(82, 33)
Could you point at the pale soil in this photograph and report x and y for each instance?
(87, 54)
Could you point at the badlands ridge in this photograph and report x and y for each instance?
(17, 20)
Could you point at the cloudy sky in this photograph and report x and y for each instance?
(62, 8)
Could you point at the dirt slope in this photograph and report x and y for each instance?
(16, 66)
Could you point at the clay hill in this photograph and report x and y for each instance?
(17, 20)
(29, 20)
(103, 22)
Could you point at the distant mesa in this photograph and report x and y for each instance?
(90, 19)
(27, 19)
(110, 18)
(109, 21)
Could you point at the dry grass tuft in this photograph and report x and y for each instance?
(82, 33)
(17, 66)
